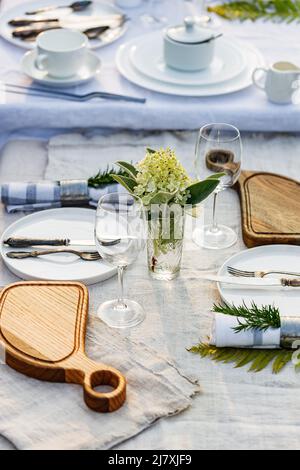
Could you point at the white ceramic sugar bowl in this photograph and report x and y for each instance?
(189, 47)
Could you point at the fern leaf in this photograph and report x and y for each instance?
(258, 358)
(281, 361)
(272, 10)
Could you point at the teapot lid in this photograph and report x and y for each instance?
(190, 32)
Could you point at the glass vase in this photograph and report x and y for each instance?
(165, 243)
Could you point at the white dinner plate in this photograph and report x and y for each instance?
(88, 71)
(265, 258)
(97, 8)
(73, 223)
(253, 59)
(147, 57)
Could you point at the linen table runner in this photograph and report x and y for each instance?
(42, 415)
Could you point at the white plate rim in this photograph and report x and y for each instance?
(88, 280)
(223, 271)
(59, 83)
(179, 90)
(225, 41)
(18, 10)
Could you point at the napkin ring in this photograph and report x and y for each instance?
(74, 192)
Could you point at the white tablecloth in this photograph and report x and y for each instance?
(248, 109)
(236, 409)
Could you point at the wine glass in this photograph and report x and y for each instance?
(120, 236)
(154, 15)
(218, 149)
(198, 9)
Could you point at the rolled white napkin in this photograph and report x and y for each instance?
(224, 336)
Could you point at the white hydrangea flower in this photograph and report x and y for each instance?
(161, 171)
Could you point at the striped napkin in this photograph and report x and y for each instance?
(27, 196)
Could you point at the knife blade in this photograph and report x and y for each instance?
(252, 282)
(94, 21)
(22, 242)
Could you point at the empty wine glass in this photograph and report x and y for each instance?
(218, 149)
(198, 9)
(155, 13)
(120, 236)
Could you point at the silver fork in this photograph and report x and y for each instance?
(42, 92)
(84, 255)
(240, 273)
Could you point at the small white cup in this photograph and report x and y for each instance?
(61, 52)
(279, 81)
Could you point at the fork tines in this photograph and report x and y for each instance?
(240, 272)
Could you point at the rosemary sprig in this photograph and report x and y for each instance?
(253, 317)
(274, 10)
(103, 178)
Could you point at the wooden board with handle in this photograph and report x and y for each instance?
(42, 331)
(270, 206)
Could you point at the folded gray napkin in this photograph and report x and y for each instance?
(27, 196)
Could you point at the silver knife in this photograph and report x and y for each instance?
(23, 242)
(253, 282)
(20, 242)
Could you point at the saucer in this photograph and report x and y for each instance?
(86, 73)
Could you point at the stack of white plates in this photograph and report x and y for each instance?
(141, 62)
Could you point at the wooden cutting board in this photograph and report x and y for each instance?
(270, 206)
(42, 330)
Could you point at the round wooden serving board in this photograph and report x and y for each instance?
(270, 206)
(42, 331)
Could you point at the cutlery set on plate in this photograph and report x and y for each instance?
(93, 26)
(64, 243)
(236, 276)
(18, 242)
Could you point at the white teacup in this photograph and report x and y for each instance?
(61, 52)
(279, 81)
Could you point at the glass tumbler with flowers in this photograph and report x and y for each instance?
(167, 193)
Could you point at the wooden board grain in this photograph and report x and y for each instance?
(270, 206)
(42, 329)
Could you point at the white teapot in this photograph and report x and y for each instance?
(189, 47)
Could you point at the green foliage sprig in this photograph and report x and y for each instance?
(273, 10)
(253, 317)
(258, 359)
(105, 177)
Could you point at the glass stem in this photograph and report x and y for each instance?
(215, 223)
(121, 303)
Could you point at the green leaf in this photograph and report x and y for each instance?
(128, 168)
(162, 197)
(149, 150)
(281, 361)
(216, 176)
(258, 358)
(262, 360)
(126, 182)
(201, 190)
(274, 10)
